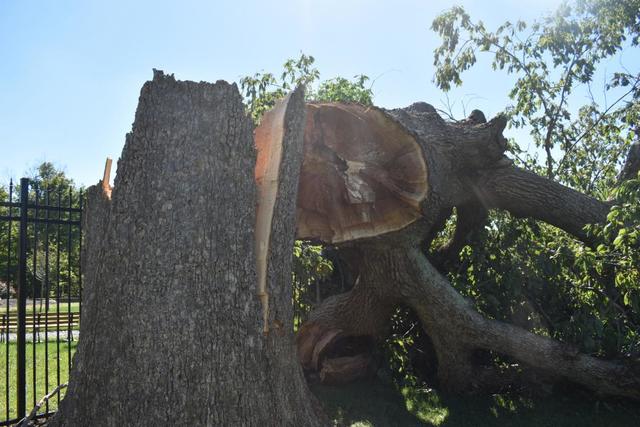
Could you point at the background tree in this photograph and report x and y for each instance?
(48, 186)
(5, 250)
(263, 89)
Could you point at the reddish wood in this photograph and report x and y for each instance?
(343, 370)
(306, 339)
(268, 139)
(106, 177)
(324, 344)
(362, 175)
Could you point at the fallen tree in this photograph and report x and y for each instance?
(187, 302)
(465, 169)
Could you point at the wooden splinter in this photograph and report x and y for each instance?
(268, 138)
(106, 177)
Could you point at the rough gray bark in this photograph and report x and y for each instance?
(466, 169)
(632, 163)
(172, 327)
(526, 194)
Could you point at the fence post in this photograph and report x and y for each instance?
(22, 299)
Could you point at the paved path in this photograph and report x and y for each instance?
(51, 336)
(40, 302)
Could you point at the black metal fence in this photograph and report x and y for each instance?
(40, 290)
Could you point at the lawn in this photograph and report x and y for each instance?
(63, 307)
(40, 374)
(371, 403)
(374, 403)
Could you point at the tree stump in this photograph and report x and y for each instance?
(172, 328)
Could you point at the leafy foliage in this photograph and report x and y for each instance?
(55, 243)
(262, 90)
(343, 90)
(310, 270)
(527, 272)
(550, 60)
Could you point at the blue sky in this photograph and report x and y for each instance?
(71, 71)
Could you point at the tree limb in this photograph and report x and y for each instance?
(444, 311)
(525, 194)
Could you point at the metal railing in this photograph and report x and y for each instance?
(40, 244)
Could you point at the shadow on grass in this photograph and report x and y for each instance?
(372, 403)
(365, 403)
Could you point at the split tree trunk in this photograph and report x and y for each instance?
(172, 328)
(466, 169)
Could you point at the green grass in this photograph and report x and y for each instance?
(372, 403)
(40, 377)
(64, 307)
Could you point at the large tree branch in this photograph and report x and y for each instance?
(526, 194)
(445, 313)
(470, 216)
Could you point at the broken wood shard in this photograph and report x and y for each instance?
(268, 139)
(362, 174)
(323, 345)
(106, 177)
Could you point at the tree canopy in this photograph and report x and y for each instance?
(529, 271)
